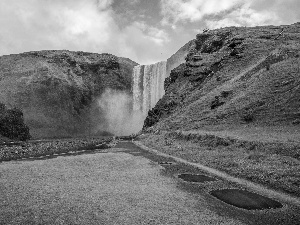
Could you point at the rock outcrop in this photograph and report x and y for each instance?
(57, 90)
(234, 77)
(179, 57)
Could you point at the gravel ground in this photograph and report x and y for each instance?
(18, 150)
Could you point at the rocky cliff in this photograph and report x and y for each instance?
(179, 57)
(57, 90)
(234, 77)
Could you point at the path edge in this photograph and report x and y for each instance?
(258, 188)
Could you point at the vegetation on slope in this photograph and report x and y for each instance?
(12, 124)
(234, 76)
(234, 105)
(58, 90)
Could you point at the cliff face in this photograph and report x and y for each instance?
(57, 90)
(179, 57)
(234, 77)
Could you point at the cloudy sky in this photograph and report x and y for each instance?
(145, 31)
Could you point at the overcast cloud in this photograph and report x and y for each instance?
(144, 30)
(220, 13)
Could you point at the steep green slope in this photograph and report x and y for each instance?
(232, 77)
(234, 106)
(58, 90)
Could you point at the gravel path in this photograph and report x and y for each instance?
(19, 150)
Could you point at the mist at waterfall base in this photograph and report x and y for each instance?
(123, 113)
(117, 112)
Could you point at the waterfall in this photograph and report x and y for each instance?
(148, 82)
(148, 86)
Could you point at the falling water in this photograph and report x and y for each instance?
(148, 86)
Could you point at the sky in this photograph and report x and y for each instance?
(146, 31)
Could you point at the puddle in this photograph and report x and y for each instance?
(245, 199)
(125, 138)
(166, 163)
(200, 178)
(101, 146)
(136, 153)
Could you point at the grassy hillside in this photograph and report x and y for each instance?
(235, 76)
(234, 105)
(58, 90)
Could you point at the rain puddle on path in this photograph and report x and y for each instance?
(245, 199)
(223, 196)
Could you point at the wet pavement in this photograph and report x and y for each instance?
(122, 185)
